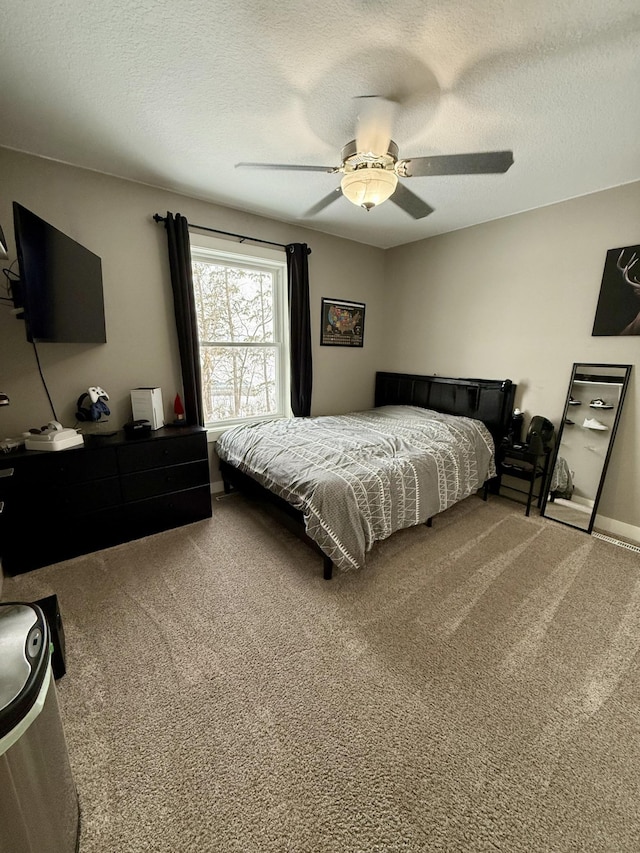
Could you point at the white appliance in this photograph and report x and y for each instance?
(54, 437)
(146, 405)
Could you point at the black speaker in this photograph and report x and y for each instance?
(515, 430)
(51, 610)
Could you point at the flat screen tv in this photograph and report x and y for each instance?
(60, 288)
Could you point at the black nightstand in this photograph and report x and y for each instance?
(522, 463)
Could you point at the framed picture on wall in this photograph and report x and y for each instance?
(618, 311)
(342, 323)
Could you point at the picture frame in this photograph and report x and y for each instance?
(618, 309)
(342, 323)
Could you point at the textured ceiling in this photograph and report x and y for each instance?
(176, 93)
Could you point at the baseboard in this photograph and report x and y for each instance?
(618, 528)
(606, 525)
(217, 486)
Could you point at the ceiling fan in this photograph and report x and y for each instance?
(371, 166)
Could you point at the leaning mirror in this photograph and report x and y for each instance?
(585, 440)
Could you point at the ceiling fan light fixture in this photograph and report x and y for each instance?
(368, 187)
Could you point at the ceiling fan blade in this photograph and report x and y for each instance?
(374, 125)
(286, 166)
(410, 202)
(324, 202)
(488, 162)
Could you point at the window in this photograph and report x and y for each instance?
(241, 298)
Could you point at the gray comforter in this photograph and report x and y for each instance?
(360, 477)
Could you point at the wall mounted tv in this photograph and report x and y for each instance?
(60, 287)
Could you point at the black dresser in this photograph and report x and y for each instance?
(57, 505)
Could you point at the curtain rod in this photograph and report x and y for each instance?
(242, 237)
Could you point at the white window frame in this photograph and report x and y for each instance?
(208, 249)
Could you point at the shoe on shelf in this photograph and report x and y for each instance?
(592, 423)
(600, 404)
(573, 402)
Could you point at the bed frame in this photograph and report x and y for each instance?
(487, 400)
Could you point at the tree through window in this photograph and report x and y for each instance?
(240, 301)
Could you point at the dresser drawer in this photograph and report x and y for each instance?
(40, 469)
(162, 452)
(83, 498)
(50, 540)
(160, 481)
(7, 481)
(161, 513)
(61, 501)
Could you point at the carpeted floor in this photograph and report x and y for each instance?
(475, 688)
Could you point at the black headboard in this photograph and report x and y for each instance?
(487, 400)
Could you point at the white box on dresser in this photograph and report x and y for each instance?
(146, 404)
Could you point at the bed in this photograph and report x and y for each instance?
(344, 482)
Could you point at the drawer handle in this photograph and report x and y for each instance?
(1, 507)
(7, 472)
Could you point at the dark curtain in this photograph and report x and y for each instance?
(299, 328)
(186, 323)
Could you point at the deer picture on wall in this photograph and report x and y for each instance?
(618, 310)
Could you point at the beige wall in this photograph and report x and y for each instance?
(512, 298)
(112, 217)
(516, 298)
